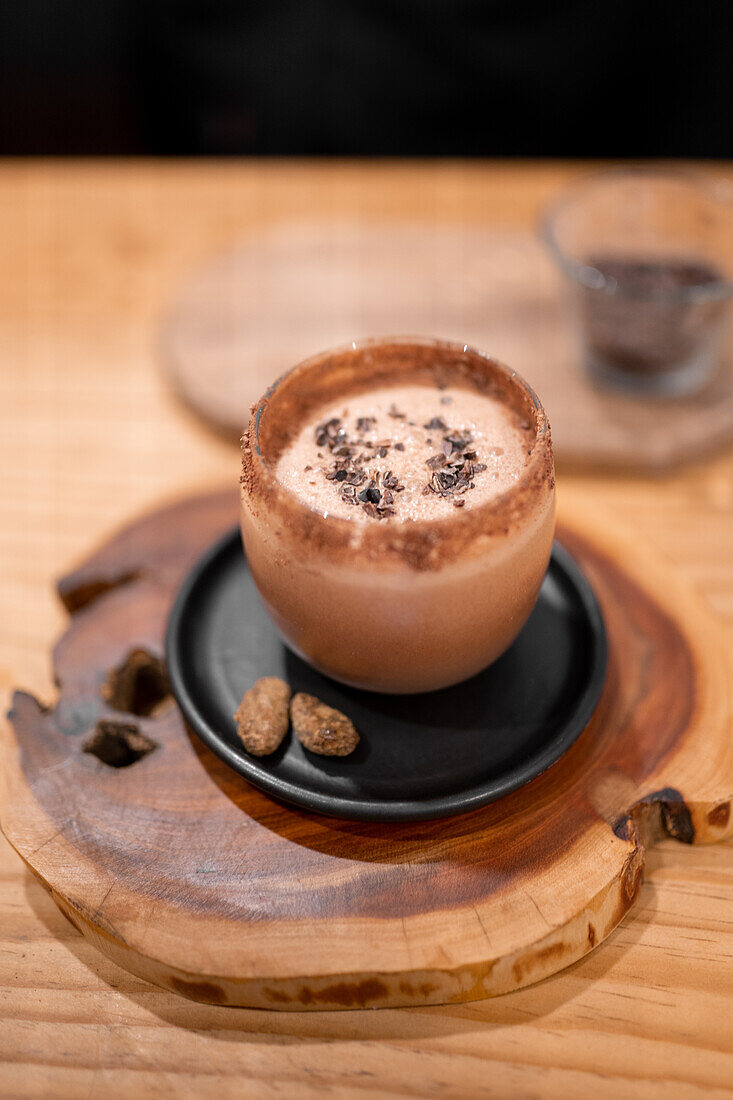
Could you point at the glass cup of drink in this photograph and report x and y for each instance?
(647, 259)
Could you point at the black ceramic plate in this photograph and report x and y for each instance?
(420, 756)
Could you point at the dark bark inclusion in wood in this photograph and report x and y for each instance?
(208, 992)
(76, 594)
(118, 744)
(451, 862)
(139, 685)
(719, 816)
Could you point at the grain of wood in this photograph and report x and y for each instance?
(91, 253)
(189, 878)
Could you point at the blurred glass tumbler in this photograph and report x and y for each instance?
(647, 258)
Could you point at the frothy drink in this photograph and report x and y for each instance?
(398, 511)
(406, 453)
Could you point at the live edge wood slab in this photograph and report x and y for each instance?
(184, 874)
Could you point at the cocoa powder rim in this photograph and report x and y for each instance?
(358, 366)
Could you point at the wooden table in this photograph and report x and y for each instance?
(91, 253)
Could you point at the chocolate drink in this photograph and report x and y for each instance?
(406, 453)
(653, 318)
(398, 511)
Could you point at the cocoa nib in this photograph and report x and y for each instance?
(348, 473)
(320, 728)
(331, 434)
(391, 482)
(262, 716)
(371, 494)
(458, 441)
(436, 424)
(454, 467)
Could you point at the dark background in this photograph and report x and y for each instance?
(367, 77)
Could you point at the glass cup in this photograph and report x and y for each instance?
(395, 607)
(647, 257)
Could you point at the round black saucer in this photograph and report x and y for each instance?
(420, 756)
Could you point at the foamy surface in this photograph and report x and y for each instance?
(448, 450)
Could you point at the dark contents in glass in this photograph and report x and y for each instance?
(648, 316)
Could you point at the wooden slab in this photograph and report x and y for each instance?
(185, 875)
(302, 287)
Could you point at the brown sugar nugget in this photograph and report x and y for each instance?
(322, 729)
(262, 716)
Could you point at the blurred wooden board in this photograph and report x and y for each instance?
(186, 875)
(299, 288)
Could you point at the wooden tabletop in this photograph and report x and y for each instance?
(90, 254)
